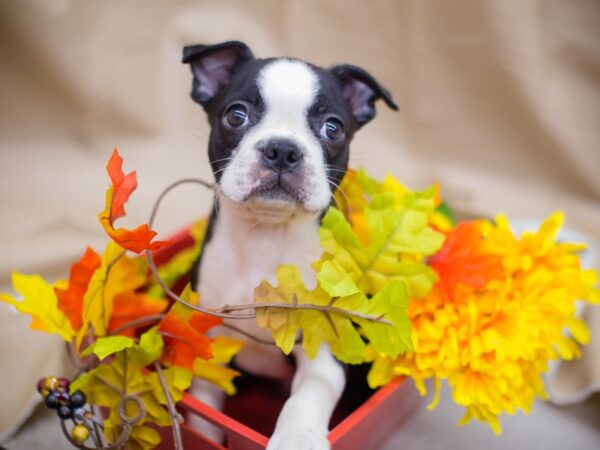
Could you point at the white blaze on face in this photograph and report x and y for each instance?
(288, 89)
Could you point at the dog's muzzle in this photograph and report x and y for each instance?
(280, 173)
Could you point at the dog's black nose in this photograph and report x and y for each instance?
(281, 154)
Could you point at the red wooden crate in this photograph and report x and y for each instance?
(363, 419)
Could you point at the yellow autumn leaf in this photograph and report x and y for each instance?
(283, 323)
(117, 274)
(143, 438)
(317, 326)
(214, 370)
(40, 302)
(356, 189)
(398, 239)
(106, 346)
(329, 319)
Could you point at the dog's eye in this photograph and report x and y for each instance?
(332, 130)
(236, 116)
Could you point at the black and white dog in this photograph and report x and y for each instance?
(279, 145)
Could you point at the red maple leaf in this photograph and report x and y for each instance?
(129, 307)
(70, 300)
(184, 332)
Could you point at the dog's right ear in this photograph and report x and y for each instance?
(213, 66)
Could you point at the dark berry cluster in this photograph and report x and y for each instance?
(55, 392)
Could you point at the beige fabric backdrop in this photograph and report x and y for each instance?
(500, 103)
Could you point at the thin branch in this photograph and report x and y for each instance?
(74, 357)
(309, 306)
(330, 320)
(98, 424)
(225, 312)
(175, 417)
(102, 288)
(109, 268)
(170, 188)
(116, 259)
(158, 317)
(138, 322)
(175, 337)
(177, 298)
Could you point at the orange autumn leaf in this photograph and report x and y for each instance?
(184, 332)
(130, 306)
(70, 300)
(118, 193)
(464, 258)
(186, 340)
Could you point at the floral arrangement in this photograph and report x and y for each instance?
(496, 315)
(400, 285)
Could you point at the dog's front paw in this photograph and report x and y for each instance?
(298, 440)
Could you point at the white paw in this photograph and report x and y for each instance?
(299, 440)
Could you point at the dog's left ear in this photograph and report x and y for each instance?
(361, 91)
(213, 66)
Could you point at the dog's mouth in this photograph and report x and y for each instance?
(274, 196)
(278, 189)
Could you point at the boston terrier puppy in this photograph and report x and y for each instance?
(278, 148)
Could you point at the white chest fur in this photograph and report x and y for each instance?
(241, 253)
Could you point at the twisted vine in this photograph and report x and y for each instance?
(225, 312)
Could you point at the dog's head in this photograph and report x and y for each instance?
(280, 127)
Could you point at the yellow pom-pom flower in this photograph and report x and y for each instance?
(498, 313)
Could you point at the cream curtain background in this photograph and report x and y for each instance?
(500, 103)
